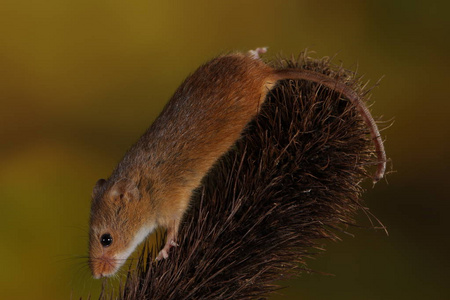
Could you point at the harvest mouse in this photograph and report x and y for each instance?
(153, 183)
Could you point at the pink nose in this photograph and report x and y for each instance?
(102, 267)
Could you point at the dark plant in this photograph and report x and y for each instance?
(291, 180)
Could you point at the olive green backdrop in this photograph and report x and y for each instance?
(80, 80)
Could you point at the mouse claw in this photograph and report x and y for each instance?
(257, 52)
(173, 243)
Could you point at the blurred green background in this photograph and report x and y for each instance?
(81, 80)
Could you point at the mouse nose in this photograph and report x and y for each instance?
(103, 267)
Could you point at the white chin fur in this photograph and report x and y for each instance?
(139, 237)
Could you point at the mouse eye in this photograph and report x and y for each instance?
(106, 240)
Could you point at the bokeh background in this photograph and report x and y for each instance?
(81, 80)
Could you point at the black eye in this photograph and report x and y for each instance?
(106, 240)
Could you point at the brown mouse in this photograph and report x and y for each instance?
(153, 183)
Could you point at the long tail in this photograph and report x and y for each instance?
(350, 94)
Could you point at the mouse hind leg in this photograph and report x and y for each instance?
(257, 52)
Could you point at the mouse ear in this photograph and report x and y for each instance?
(98, 187)
(125, 189)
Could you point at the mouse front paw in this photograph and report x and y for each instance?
(164, 253)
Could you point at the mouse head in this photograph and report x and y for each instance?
(119, 222)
